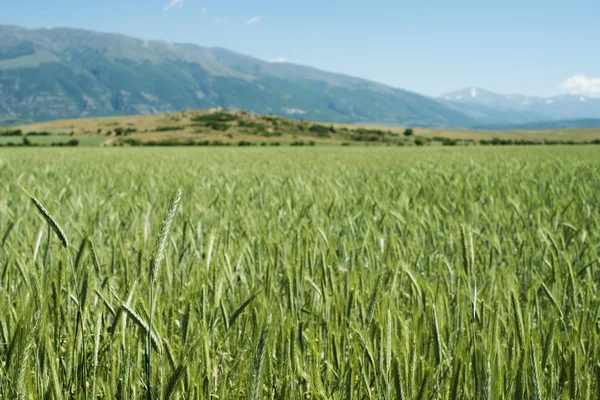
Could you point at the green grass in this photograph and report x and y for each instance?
(332, 273)
(91, 141)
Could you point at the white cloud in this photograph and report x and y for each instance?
(254, 20)
(581, 84)
(173, 3)
(279, 60)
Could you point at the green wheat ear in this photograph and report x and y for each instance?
(161, 239)
(48, 217)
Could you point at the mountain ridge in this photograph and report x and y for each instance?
(62, 73)
(68, 73)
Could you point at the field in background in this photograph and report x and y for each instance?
(234, 127)
(337, 273)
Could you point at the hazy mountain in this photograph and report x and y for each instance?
(66, 73)
(546, 125)
(493, 108)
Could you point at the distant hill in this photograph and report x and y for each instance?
(498, 109)
(219, 127)
(48, 74)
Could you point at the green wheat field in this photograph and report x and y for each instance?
(311, 273)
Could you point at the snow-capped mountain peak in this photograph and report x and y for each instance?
(515, 108)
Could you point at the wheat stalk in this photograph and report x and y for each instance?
(49, 219)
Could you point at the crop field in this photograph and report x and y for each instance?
(300, 273)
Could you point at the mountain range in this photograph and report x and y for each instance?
(58, 73)
(490, 108)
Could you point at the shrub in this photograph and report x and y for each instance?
(124, 131)
(320, 130)
(449, 142)
(218, 126)
(134, 142)
(376, 132)
(408, 132)
(70, 143)
(215, 117)
(168, 128)
(15, 132)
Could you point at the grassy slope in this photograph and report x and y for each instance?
(147, 129)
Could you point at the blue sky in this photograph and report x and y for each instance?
(534, 47)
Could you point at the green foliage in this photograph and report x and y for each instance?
(369, 135)
(526, 142)
(296, 143)
(408, 132)
(69, 143)
(254, 125)
(27, 142)
(13, 132)
(133, 142)
(215, 117)
(449, 142)
(321, 130)
(126, 131)
(370, 132)
(169, 128)
(329, 273)
(217, 126)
